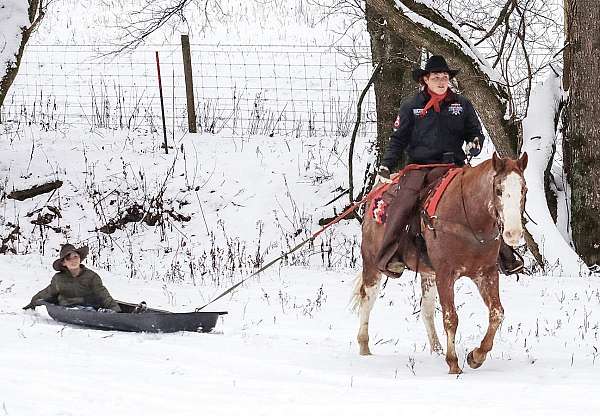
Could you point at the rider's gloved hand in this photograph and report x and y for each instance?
(473, 147)
(383, 175)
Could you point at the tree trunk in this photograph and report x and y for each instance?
(36, 13)
(582, 131)
(394, 81)
(567, 4)
(488, 98)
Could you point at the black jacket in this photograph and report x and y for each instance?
(426, 139)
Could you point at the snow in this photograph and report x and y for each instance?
(288, 343)
(278, 351)
(460, 42)
(538, 141)
(234, 191)
(13, 18)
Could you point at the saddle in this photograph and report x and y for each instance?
(436, 182)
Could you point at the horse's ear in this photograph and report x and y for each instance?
(497, 162)
(522, 162)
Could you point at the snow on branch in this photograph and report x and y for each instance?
(421, 13)
(539, 137)
(14, 18)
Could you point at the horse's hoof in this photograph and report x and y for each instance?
(456, 370)
(365, 351)
(471, 361)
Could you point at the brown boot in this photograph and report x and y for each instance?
(509, 261)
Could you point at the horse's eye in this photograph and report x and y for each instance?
(498, 192)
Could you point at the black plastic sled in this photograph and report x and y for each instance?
(150, 320)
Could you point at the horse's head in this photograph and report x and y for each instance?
(509, 196)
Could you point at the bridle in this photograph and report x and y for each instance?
(497, 220)
(447, 225)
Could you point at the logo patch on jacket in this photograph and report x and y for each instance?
(397, 122)
(455, 109)
(417, 111)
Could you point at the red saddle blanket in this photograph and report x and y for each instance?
(379, 202)
(436, 194)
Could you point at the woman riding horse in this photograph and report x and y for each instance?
(481, 206)
(480, 211)
(432, 127)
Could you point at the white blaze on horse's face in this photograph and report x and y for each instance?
(509, 192)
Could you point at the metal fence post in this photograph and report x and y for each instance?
(162, 104)
(189, 83)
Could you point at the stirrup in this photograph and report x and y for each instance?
(396, 267)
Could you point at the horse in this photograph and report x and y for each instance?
(481, 205)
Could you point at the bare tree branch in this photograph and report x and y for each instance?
(502, 17)
(156, 14)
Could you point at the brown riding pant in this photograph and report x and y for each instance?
(399, 211)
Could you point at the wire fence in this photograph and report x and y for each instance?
(239, 89)
(273, 90)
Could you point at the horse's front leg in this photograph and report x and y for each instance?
(488, 288)
(445, 286)
(365, 293)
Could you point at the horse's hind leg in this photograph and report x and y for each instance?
(366, 290)
(428, 296)
(488, 288)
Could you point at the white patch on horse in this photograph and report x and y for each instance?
(365, 304)
(510, 204)
(491, 208)
(428, 298)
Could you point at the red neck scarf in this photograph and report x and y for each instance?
(434, 102)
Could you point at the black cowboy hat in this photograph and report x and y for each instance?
(67, 249)
(435, 63)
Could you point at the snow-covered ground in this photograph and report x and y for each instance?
(223, 206)
(288, 342)
(288, 345)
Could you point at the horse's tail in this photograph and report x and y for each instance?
(358, 293)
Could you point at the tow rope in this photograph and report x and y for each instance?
(375, 191)
(311, 238)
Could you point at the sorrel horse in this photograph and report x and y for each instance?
(482, 204)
